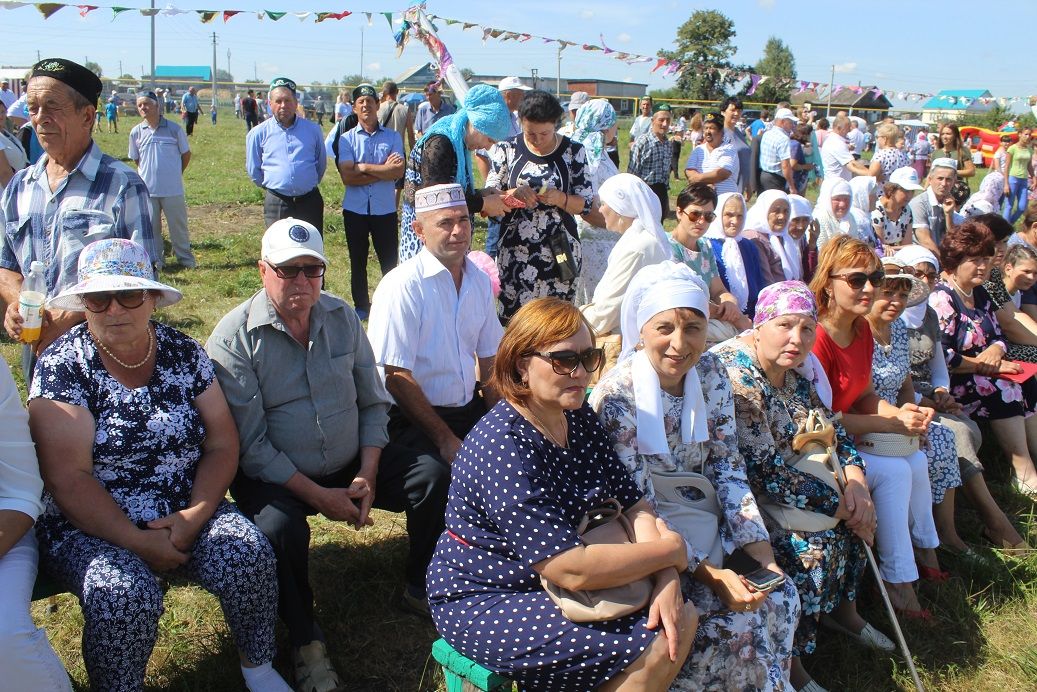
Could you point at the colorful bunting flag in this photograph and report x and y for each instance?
(321, 16)
(207, 15)
(84, 10)
(227, 14)
(48, 8)
(274, 16)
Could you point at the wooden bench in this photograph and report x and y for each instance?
(465, 675)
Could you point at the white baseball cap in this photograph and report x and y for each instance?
(509, 83)
(906, 177)
(785, 114)
(578, 99)
(290, 238)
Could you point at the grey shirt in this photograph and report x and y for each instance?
(299, 408)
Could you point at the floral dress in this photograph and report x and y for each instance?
(524, 258)
(890, 366)
(969, 331)
(825, 566)
(733, 650)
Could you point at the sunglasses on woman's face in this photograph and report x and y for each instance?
(566, 362)
(856, 280)
(99, 302)
(694, 215)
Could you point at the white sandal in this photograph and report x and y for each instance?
(869, 636)
(313, 669)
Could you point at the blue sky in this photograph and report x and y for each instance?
(898, 45)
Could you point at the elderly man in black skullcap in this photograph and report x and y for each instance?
(72, 196)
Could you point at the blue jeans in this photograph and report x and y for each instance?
(1018, 191)
(492, 236)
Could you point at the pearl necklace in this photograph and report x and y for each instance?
(547, 430)
(960, 290)
(128, 366)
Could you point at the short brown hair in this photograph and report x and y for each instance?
(1030, 217)
(970, 239)
(537, 324)
(839, 253)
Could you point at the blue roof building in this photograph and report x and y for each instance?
(949, 104)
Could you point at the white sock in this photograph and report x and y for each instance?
(264, 679)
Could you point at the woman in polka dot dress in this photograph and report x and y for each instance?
(526, 475)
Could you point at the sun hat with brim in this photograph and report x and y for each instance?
(919, 289)
(113, 264)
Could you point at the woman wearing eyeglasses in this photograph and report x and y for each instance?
(849, 276)
(137, 448)
(695, 212)
(668, 407)
(527, 473)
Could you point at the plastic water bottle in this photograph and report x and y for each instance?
(30, 302)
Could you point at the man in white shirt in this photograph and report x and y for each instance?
(932, 212)
(433, 318)
(856, 138)
(836, 158)
(6, 95)
(713, 162)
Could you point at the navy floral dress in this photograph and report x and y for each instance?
(526, 263)
(826, 566)
(733, 650)
(516, 499)
(968, 332)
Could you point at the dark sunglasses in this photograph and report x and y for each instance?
(310, 271)
(566, 362)
(99, 302)
(856, 280)
(695, 215)
(929, 275)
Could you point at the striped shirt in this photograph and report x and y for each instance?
(775, 147)
(705, 161)
(101, 198)
(650, 159)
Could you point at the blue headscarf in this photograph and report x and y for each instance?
(592, 119)
(484, 107)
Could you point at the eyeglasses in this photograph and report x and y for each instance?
(99, 302)
(310, 271)
(929, 275)
(856, 280)
(694, 215)
(566, 362)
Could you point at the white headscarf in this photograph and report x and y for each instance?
(653, 289)
(629, 196)
(798, 208)
(861, 188)
(756, 220)
(911, 255)
(730, 254)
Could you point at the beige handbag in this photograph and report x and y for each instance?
(688, 502)
(813, 458)
(887, 444)
(602, 525)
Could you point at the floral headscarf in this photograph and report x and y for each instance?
(784, 298)
(592, 120)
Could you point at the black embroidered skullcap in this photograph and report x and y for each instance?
(82, 80)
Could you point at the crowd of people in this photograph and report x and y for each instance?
(590, 364)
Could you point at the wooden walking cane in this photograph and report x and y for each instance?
(825, 435)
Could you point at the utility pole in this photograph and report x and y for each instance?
(255, 72)
(558, 78)
(228, 68)
(534, 73)
(38, 58)
(120, 68)
(361, 72)
(214, 68)
(152, 46)
(831, 85)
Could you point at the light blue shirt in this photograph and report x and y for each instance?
(158, 153)
(775, 147)
(425, 117)
(189, 102)
(359, 145)
(288, 160)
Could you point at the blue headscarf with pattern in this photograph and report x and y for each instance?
(592, 120)
(484, 107)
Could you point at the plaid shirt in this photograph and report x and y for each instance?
(650, 159)
(775, 147)
(101, 198)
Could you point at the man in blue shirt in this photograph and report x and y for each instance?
(285, 156)
(370, 161)
(776, 154)
(189, 107)
(431, 110)
(159, 148)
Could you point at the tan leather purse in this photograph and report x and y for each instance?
(602, 525)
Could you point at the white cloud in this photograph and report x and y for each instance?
(586, 14)
(628, 78)
(846, 67)
(623, 38)
(765, 4)
(374, 65)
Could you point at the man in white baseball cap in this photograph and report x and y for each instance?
(776, 163)
(933, 211)
(312, 413)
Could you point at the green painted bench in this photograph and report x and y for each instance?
(465, 675)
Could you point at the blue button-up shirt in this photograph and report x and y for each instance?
(189, 102)
(288, 160)
(159, 156)
(360, 146)
(425, 116)
(101, 198)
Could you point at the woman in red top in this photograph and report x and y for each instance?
(848, 275)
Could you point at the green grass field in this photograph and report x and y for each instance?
(983, 636)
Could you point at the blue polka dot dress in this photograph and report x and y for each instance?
(516, 499)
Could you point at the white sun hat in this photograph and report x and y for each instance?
(113, 264)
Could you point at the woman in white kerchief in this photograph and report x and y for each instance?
(738, 258)
(835, 218)
(767, 223)
(668, 406)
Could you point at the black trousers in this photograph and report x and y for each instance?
(408, 481)
(308, 207)
(460, 419)
(360, 229)
(662, 191)
(773, 181)
(250, 121)
(190, 120)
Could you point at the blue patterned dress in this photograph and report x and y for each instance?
(890, 366)
(733, 650)
(826, 566)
